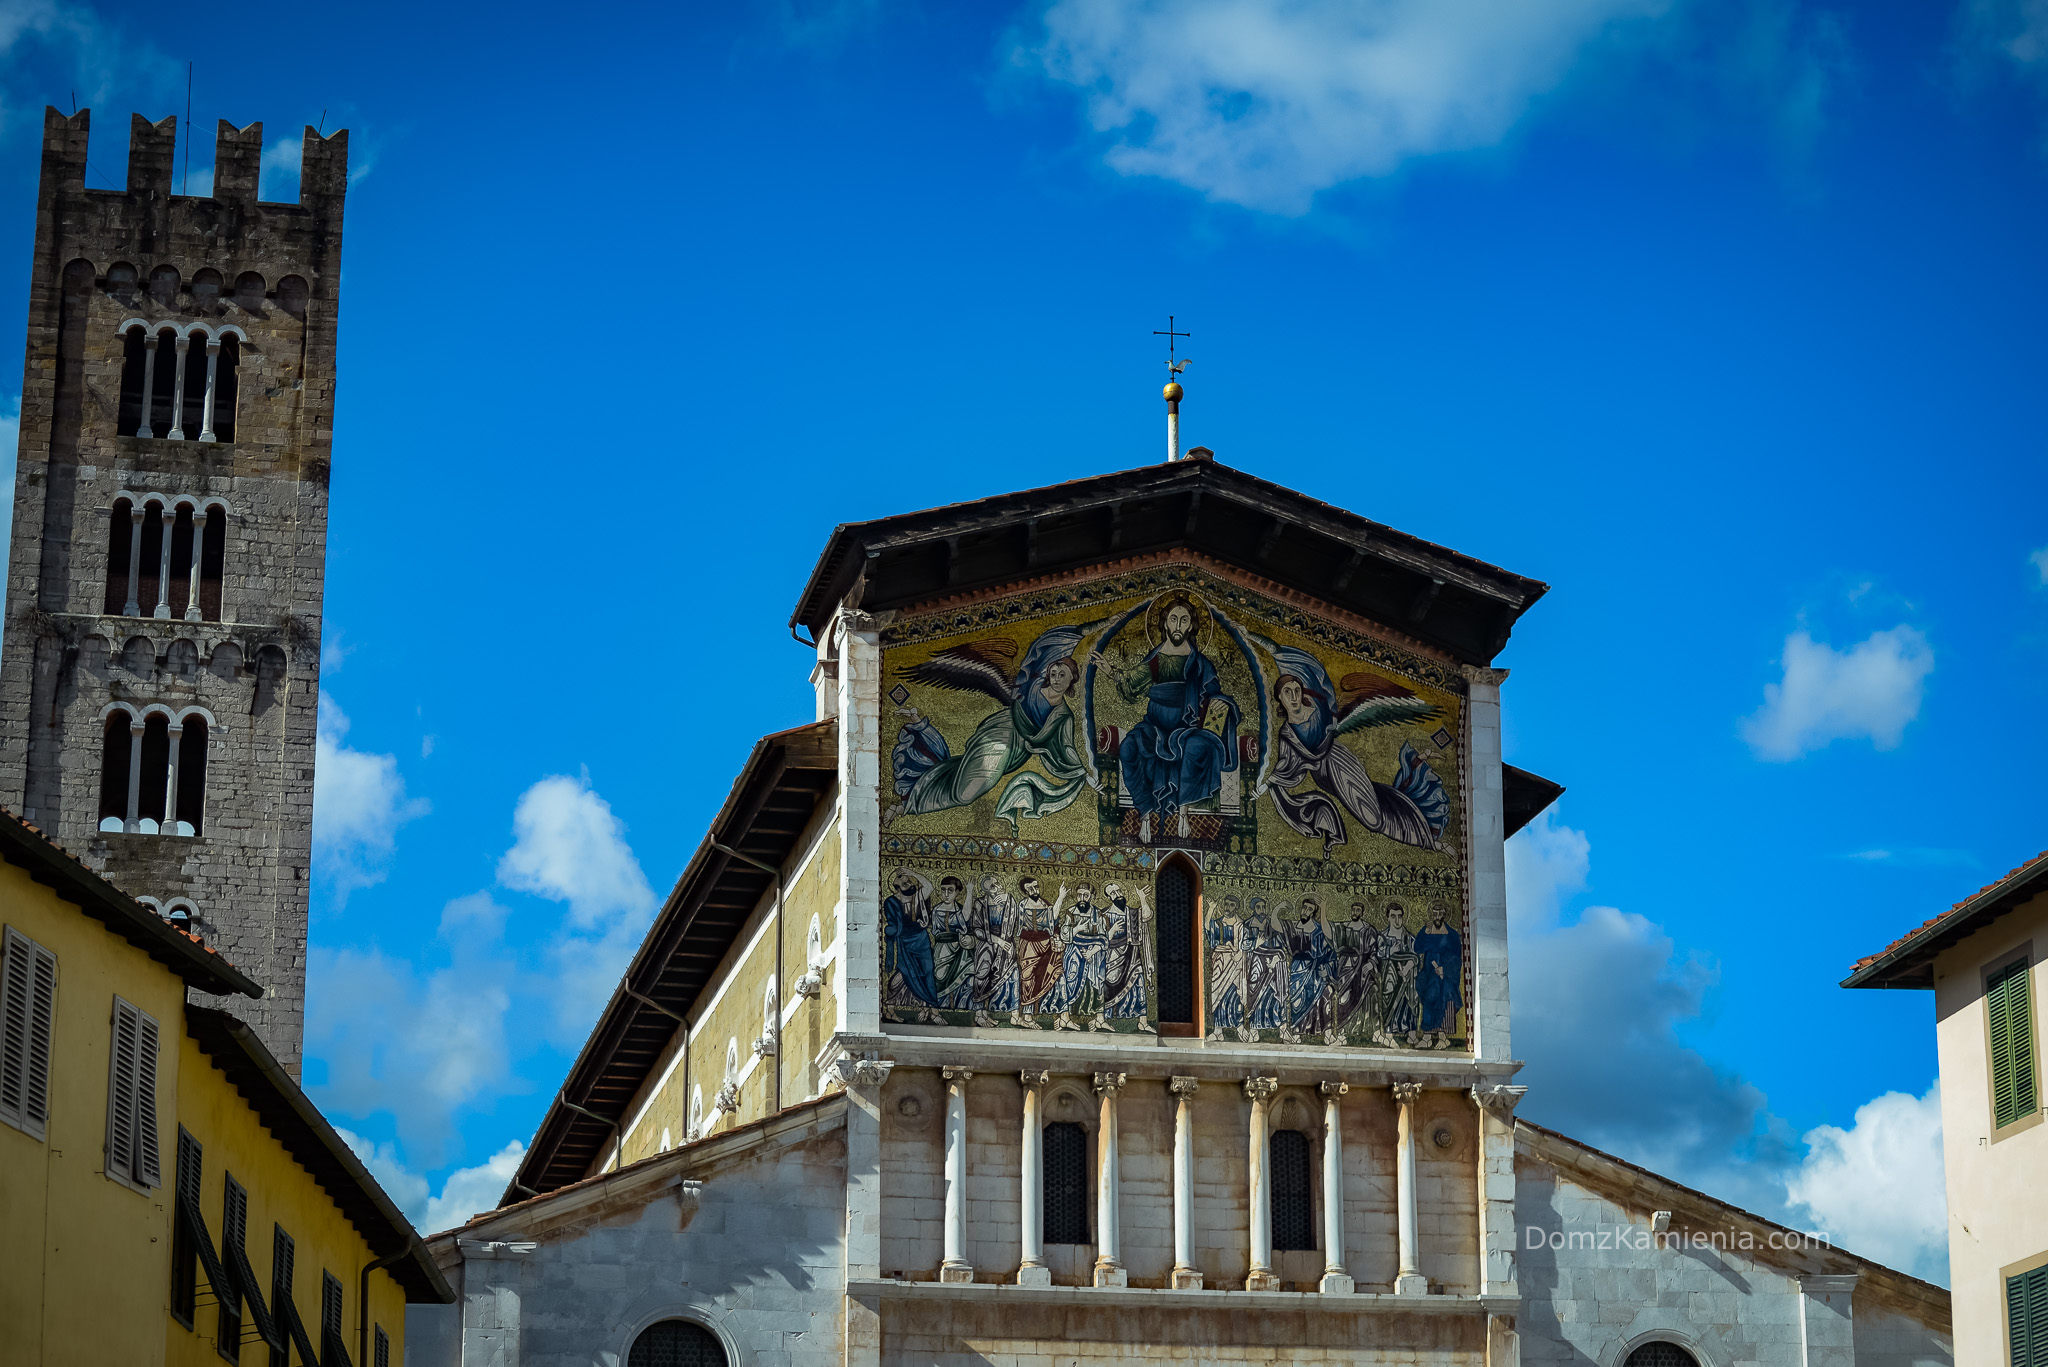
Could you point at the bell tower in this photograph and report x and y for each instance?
(159, 680)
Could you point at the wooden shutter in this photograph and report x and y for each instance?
(148, 1162)
(131, 1097)
(2008, 1002)
(2026, 1318)
(28, 1000)
(382, 1357)
(283, 1254)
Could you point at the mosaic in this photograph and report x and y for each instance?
(1047, 750)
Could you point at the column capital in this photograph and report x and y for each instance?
(862, 1070)
(1035, 1079)
(1480, 674)
(1109, 1084)
(170, 513)
(1333, 1090)
(956, 1074)
(1407, 1091)
(1183, 1086)
(1501, 1100)
(1261, 1088)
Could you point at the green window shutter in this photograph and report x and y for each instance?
(2026, 1318)
(2009, 1005)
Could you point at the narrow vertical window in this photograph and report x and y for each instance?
(225, 388)
(131, 1098)
(181, 563)
(156, 772)
(2008, 1001)
(1294, 1216)
(128, 417)
(333, 1350)
(120, 533)
(234, 1228)
(191, 813)
(1176, 929)
(212, 558)
(283, 1254)
(28, 1002)
(1066, 1183)
(114, 752)
(149, 576)
(2026, 1317)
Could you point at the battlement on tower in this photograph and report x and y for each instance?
(238, 153)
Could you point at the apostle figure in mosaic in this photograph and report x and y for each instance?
(1412, 809)
(1439, 978)
(992, 925)
(1078, 989)
(1399, 1008)
(1309, 960)
(1039, 958)
(952, 946)
(1171, 760)
(1036, 719)
(1125, 961)
(910, 978)
(1224, 950)
(1356, 944)
(1266, 986)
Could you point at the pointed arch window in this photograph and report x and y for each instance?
(1179, 917)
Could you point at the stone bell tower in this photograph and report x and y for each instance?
(159, 682)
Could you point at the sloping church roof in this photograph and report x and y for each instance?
(1462, 606)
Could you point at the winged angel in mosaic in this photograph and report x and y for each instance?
(1036, 717)
(1314, 715)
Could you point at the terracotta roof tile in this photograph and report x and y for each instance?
(1953, 913)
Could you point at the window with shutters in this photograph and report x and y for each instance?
(1066, 1183)
(2010, 1010)
(676, 1343)
(2026, 1317)
(28, 1004)
(1179, 900)
(1294, 1216)
(284, 1253)
(234, 1232)
(333, 1346)
(184, 1250)
(132, 1157)
(381, 1351)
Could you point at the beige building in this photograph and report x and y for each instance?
(1115, 968)
(1984, 959)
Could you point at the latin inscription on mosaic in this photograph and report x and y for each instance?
(1048, 752)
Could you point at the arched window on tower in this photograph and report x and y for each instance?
(676, 1343)
(1294, 1216)
(1179, 915)
(137, 585)
(1066, 1183)
(153, 773)
(179, 382)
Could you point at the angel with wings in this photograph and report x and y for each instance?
(1313, 714)
(1036, 716)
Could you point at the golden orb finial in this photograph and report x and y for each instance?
(1173, 391)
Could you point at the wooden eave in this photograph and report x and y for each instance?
(1462, 606)
(771, 804)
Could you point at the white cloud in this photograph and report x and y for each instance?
(1547, 862)
(278, 179)
(2039, 559)
(1873, 689)
(2016, 28)
(415, 1044)
(1877, 1187)
(571, 848)
(359, 803)
(464, 1192)
(1265, 102)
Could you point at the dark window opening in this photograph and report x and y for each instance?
(192, 778)
(156, 768)
(225, 387)
(150, 581)
(129, 417)
(212, 559)
(192, 415)
(181, 563)
(676, 1343)
(1176, 929)
(1294, 1218)
(1067, 1186)
(1662, 1354)
(120, 525)
(114, 772)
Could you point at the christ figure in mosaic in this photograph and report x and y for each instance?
(1171, 760)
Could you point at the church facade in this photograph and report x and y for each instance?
(1116, 969)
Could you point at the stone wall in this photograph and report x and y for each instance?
(256, 670)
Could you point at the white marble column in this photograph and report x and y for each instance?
(163, 574)
(1031, 1269)
(1408, 1281)
(178, 393)
(198, 551)
(1185, 1275)
(135, 729)
(148, 386)
(170, 821)
(1261, 1276)
(862, 1074)
(956, 1268)
(1109, 1268)
(1335, 1280)
(133, 607)
(212, 369)
(1486, 864)
(856, 940)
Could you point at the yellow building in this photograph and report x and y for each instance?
(167, 1194)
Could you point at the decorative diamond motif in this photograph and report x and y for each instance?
(899, 695)
(1442, 736)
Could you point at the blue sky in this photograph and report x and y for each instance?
(1725, 320)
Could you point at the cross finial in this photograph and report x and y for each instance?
(1173, 367)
